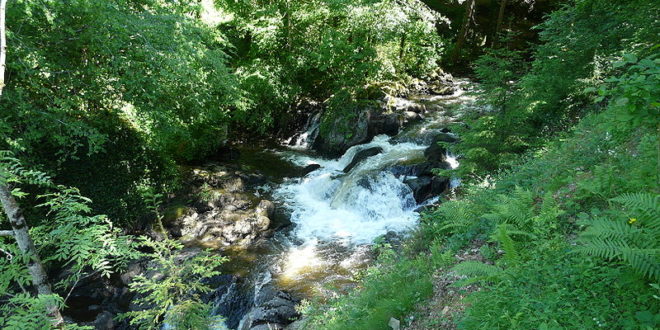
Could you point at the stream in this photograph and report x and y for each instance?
(328, 219)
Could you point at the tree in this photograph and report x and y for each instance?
(465, 30)
(171, 293)
(500, 18)
(13, 211)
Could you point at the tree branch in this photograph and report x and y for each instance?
(6, 233)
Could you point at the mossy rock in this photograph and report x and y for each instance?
(174, 212)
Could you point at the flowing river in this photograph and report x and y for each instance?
(334, 215)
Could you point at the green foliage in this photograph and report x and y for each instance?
(74, 238)
(634, 240)
(24, 311)
(327, 50)
(108, 94)
(497, 71)
(88, 62)
(477, 271)
(170, 292)
(584, 47)
(67, 237)
(592, 188)
(554, 291)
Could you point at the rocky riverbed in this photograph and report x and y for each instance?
(297, 217)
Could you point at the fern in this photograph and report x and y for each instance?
(457, 216)
(634, 240)
(476, 271)
(646, 206)
(517, 209)
(501, 235)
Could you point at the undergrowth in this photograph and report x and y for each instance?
(570, 232)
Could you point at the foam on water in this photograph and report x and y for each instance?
(359, 206)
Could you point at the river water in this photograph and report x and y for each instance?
(336, 216)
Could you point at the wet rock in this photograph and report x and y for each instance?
(272, 307)
(371, 121)
(231, 298)
(424, 168)
(365, 183)
(224, 212)
(305, 113)
(425, 187)
(236, 221)
(436, 152)
(420, 169)
(440, 83)
(266, 208)
(362, 155)
(310, 168)
(401, 105)
(104, 320)
(132, 270)
(439, 88)
(445, 136)
(384, 123)
(298, 325)
(411, 116)
(342, 135)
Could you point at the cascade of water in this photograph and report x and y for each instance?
(357, 206)
(453, 163)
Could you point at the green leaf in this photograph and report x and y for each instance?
(630, 58)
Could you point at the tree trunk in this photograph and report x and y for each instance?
(14, 214)
(3, 44)
(26, 245)
(465, 29)
(402, 46)
(500, 18)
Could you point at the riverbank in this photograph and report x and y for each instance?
(566, 238)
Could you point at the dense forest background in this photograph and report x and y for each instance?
(104, 101)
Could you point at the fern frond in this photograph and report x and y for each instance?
(645, 205)
(516, 209)
(476, 272)
(603, 248)
(456, 215)
(633, 242)
(501, 235)
(609, 229)
(644, 261)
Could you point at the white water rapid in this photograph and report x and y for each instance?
(358, 206)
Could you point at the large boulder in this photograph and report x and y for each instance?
(435, 152)
(371, 121)
(440, 83)
(310, 168)
(388, 123)
(362, 155)
(410, 116)
(425, 187)
(340, 136)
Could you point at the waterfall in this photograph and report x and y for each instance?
(358, 206)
